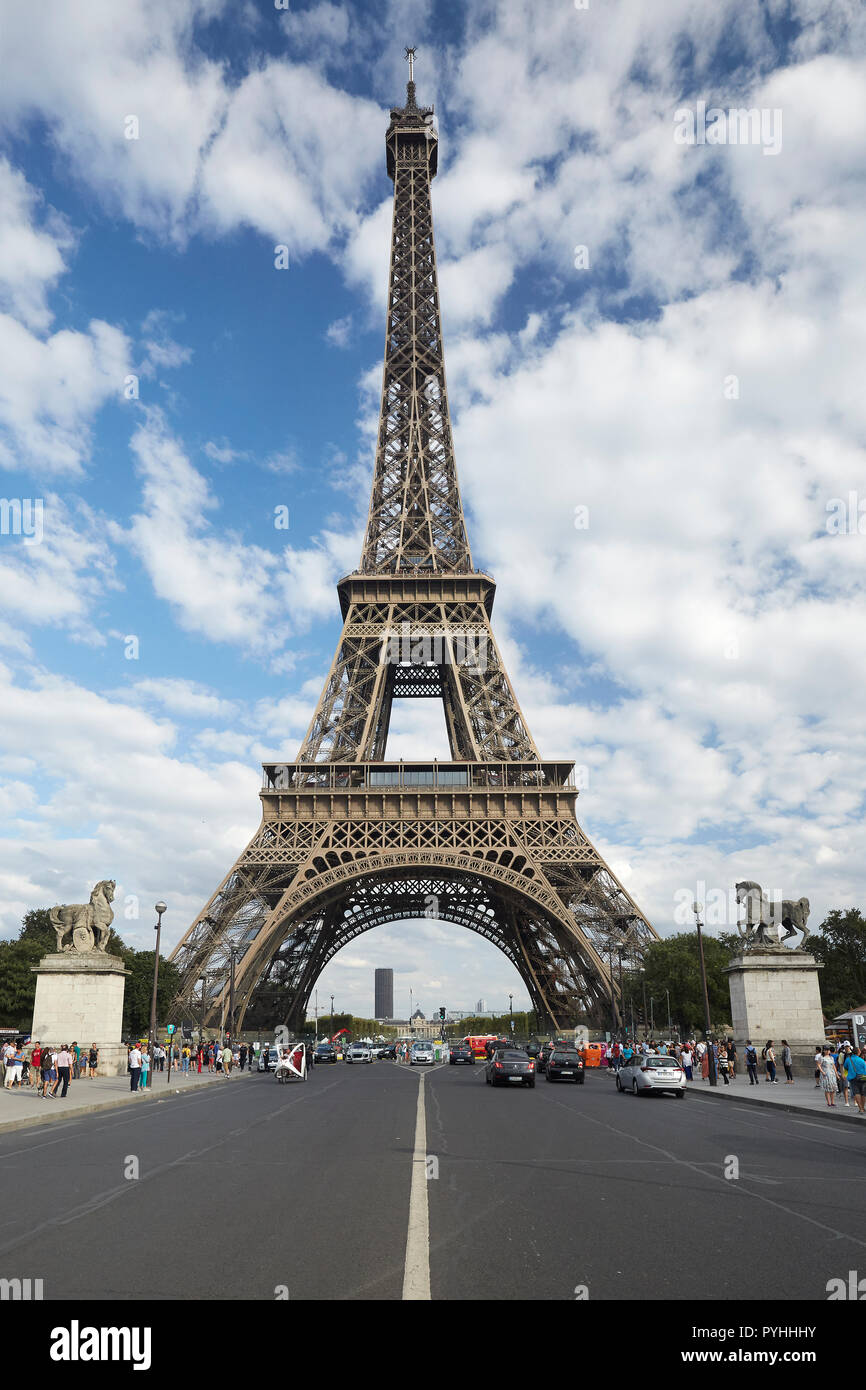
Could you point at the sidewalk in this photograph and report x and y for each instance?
(21, 1107)
(801, 1098)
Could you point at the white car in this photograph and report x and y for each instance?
(645, 1072)
(359, 1052)
(422, 1053)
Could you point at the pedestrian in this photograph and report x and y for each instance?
(92, 1061)
(752, 1063)
(817, 1067)
(829, 1077)
(135, 1060)
(36, 1067)
(856, 1068)
(840, 1059)
(787, 1063)
(9, 1075)
(64, 1070)
(16, 1065)
(768, 1053)
(243, 1056)
(732, 1057)
(227, 1060)
(147, 1069)
(705, 1063)
(76, 1061)
(686, 1059)
(49, 1075)
(722, 1062)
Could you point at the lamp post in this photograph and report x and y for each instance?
(511, 1012)
(159, 909)
(652, 1019)
(643, 987)
(697, 908)
(234, 952)
(621, 999)
(332, 1017)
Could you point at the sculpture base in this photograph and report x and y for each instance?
(79, 998)
(775, 995)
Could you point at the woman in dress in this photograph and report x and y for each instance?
(829, 1077)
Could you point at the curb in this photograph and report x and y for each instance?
(31, 1121)
(777, 1105)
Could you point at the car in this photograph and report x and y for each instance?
(645, 1072)
(461, 1053)
(533, 1048)
(325, 1052)
(545, 1052)
(268, 1058)
(359, 1052)
(509, 1066)
(388, 1052)
(565, 1064)
(422, 1053)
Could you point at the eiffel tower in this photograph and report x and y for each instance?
(348, 840)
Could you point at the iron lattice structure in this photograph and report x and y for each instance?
(349, 841)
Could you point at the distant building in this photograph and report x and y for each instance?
(384, 994)
(481, 1006)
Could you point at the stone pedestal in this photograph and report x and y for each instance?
(79, 998)
(774, 994)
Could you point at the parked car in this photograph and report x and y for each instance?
(460, 1052)
(325, 1052)
(643, 1073)
(565, 1064)
(509, 1067)
(422, 1053)
(359, 1052)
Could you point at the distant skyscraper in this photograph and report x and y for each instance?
(481, 1006)
(384, 994)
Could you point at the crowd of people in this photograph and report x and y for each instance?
(189, 1059)
(840, 1069)
(44, 1068)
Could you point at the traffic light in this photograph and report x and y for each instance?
(442, 1013)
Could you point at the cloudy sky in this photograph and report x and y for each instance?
(655, 353)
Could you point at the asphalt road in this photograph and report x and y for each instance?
(253, 1186)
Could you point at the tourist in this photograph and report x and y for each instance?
(36, 1066)
(722, 1062)
(752, 1063)
(147, 1068)
(227, 1060)
(92, 1061)
(9, 1074)
(135, 1060)
(817, 1067)
(732, 1058)
(686, 1060)
(769, 1055)
(856, 1069)
(705, 1063)
(49, 1075)
(841, 1058)
(787, 1063)
(76, 1055)
(829, 1077)
(64, 1070)
(243, 1056)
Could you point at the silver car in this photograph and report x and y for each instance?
(645, 1072)
(422, 1053)
(359, 1052)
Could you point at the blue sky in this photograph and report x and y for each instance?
(696, 386)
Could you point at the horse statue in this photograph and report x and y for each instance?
(89, 923)
(769, 923)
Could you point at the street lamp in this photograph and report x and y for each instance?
(511, 1012)
(697, 908)
(234, 952)
(652, 1019)
(159, 909)
(643, 987)
(332, 1018)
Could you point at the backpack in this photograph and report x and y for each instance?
(751, 1054)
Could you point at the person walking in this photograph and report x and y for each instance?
(752, 1063)
(148, 1066)
(722, 1063)
(769, 1056)
(829, 1077)
(64, 1070)
(92, 1062)
(840, 1058)
(732, 1057)
(856, 1068)
(36, 1067)
(76, 1061)
(705, 1064)
(135, 1060)
(227, 1060)
(787, 1063)
(686, 1058)
(49, 1075)
(817, 1068)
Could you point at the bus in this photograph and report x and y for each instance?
(478, 1043)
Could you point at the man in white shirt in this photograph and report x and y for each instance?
(134, 1066)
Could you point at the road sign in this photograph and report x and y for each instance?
(170, 1029)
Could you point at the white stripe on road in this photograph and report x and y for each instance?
(416, 1275)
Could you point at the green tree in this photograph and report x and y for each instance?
(139, 991)
(840, 946)
(672, 964)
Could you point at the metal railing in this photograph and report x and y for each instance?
(409, 776)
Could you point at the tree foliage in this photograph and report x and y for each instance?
(672, 964)
(840, 946)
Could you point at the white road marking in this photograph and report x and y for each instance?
(416, 1275)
